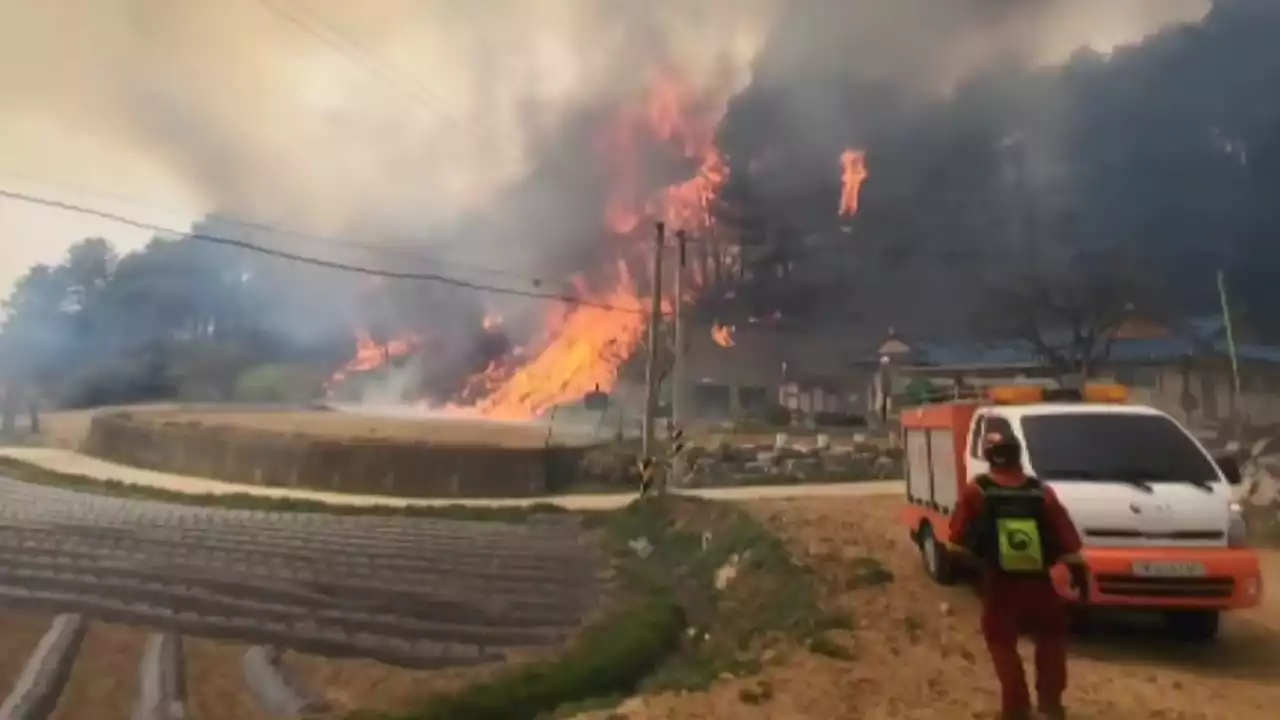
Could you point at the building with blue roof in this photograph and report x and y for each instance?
(1184, 369)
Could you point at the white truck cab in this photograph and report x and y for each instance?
(1128, 475)
(1156, 512)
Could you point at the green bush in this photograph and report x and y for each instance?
(278, 383)
(610, 659)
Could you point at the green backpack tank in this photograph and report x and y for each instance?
(1012, 534)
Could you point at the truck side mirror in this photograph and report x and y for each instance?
(1230, 468)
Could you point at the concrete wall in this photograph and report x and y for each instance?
(369, 466)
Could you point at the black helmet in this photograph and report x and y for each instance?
(1002, 451)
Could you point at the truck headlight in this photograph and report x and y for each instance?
(1237, 528)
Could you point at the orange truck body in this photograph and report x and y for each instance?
(1232, 578)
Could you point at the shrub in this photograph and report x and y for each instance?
(278, 383)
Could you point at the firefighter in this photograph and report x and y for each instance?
(1014, 529)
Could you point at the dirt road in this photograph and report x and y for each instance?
(917, 653)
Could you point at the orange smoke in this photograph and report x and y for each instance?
(853, 165)
(722, 335)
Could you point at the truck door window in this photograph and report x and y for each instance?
(975, 440)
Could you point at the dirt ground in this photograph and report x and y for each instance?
(104, 679)
(67, 429)
(355, 426)
(917, 654)
(215, 681)
(19, 635)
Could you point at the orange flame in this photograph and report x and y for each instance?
(582, 353)
(370, 355)
(854, 173)
(584, 346)
(723, 335)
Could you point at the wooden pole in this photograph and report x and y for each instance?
(651, 366)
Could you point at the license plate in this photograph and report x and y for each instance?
(1169, 569)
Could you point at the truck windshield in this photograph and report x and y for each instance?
(1114, 446)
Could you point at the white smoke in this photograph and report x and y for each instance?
(413, 111)
(424, 109)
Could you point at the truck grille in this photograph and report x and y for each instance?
(1133, 586)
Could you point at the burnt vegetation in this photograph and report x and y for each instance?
(1023, 201)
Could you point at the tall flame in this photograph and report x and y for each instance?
(586, 345)
(580, 352)
(583, 346)
(853, 165)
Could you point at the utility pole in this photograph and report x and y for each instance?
(651, 366)
(1231, 350)
(678, 372)
(678, 362)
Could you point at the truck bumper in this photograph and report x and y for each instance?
(1231, 579)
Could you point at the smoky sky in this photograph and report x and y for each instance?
(417, 114)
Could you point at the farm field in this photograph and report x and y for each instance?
(358, 426)
(111, 603)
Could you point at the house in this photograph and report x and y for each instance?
(1186, 370)
(751, 367)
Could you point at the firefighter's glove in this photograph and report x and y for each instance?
(1079, 573)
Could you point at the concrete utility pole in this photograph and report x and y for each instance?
(678, 372)
(651, 366)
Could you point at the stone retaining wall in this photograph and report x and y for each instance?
(359, 465)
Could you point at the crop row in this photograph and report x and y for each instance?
(161, 687)
(408, 591)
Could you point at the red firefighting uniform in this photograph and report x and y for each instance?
(1013, 605)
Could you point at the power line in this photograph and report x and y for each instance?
(371, 62)
(318, 262)
(782, 326)
(384, 248)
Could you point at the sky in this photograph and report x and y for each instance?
(163, 110)
(85, 172)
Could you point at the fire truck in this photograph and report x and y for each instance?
(1161, 529)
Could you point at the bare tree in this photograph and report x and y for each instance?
(1067, 312)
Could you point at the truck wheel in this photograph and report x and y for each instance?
(1193, 625)
(937, 561)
